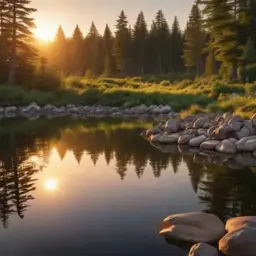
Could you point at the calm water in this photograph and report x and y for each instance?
(97, 188)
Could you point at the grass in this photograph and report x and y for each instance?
(190, 96)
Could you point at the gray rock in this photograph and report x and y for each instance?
(210, 144)
(166, 110)
(185, 139)
(193, 227)
(248, 124)
(172, 125)
(153, 131)
(203, 249)
(237, 223)
(236, 126)
(226, 147)
(10, 112)
(169, 139)
(236, 118)
(243, 133)
(199, 123)
(202, 131)
(189, 118)
(246, 144)
(197, 141)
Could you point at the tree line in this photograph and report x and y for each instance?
(219, 38)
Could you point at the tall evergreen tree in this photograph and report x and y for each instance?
(122, 45)
(109, 63)
(194, 41)
(59, 52)
(94, 51)
(176, 47)
(22, 54)
(140, 37)
(77, 53)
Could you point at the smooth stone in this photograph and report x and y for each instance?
(241, 242)
(185, 139)
(226, 147)
(249, 125)
(155, 138)
(236, 126)
(193, 227)
(203, 249)
(243, 133)
(234, 224)
(172, 125)
(169, 139)
(197, 141)
(199, 123)
(210, 144)
(241, 143)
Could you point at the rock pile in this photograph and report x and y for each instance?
(33, 111)
(226, 133)
(203, 228)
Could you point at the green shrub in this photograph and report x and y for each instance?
(251, 73)
(220, 88)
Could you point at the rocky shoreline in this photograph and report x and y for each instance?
(237, 237)
(225, 134)
(34, 111)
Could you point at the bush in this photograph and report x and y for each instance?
(220, 88)
(251, 73)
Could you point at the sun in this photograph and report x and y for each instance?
(51, 184)
(44, 32)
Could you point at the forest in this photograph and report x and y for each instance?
(217, 48)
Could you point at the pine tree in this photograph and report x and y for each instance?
(122, 45)
(4, 34)
(162, 42)
(194, 41)
(140, 37)
(77, 53)
(59, 52)
(22, 54)
(109, 63)
(249, 56)
(176, 47)
(94, 52)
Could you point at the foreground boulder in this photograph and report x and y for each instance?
(193, 227)
(210, 145)
(197, 141)
(247, 144)
(227, 147)
(241, 242)
(203, 249)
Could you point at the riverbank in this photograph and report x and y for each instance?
(225, 134)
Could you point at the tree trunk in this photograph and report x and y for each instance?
(234, 72)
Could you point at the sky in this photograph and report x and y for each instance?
(69, 13)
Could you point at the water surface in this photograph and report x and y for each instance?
(95, 187)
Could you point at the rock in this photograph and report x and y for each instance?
(227, 115)
(199, 123)
(237, 223)
(166, 110)
(221, 133)
(245, 159)
(236, 118)
(169, 139)
(193, 227)
(172, 125)
(202, 131)
(227, 147)
(197, 141)
(247, 144)
(211, 130)
(207, 125)
(10, 112)
(236, 126)
(185, 139)
(155, 138)
(152, 131)
(210, 144)
(233, 140)
(189, 118)
(203, 249)
(190, 132)
(248, 124)
(254, 120)
(241, 242)
(243, 133)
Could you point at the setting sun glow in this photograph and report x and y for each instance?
(51, 184)
(44, 32)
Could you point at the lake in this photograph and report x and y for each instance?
(96, 187)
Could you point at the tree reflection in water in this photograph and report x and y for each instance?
(224, 185)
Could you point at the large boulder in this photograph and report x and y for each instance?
(221, 133)
(237, 223)
(249, 125)
(236, 126)
(226, 147)
(210, 144)
(193, 227)
(172, 125)
(245, 132)
(185, 139)
(203, 249)
(241, 242)
(197, 141)
(247, 144)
